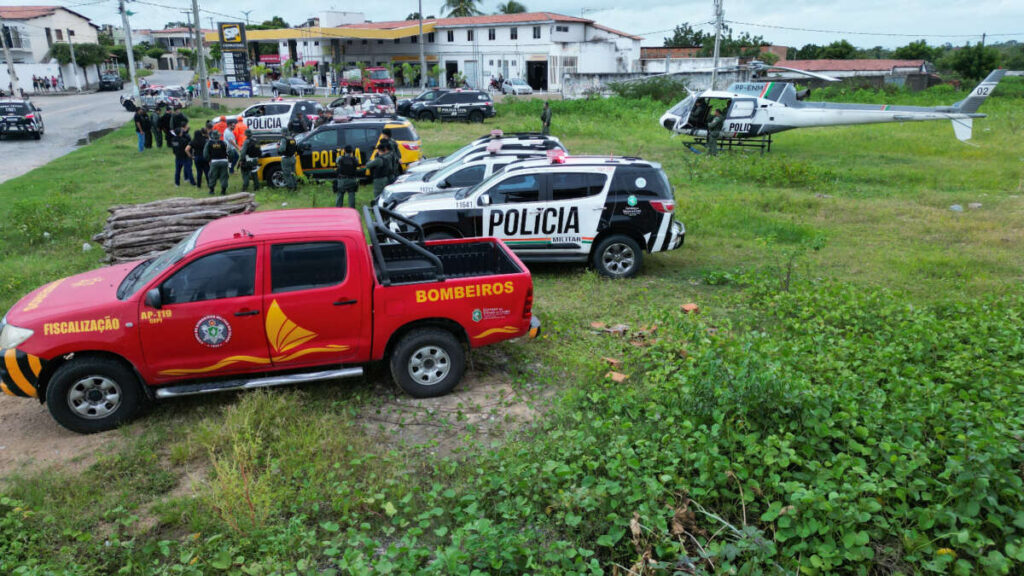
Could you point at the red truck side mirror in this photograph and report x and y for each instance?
(153, 299)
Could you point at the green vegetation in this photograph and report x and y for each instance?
(847, 399)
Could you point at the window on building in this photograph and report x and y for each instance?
(349, 42)
(414, 39)
(317, 43)
(60, 34)
(430, 37)
(490, 33)
(536, 31)
(71, 33)
(363, 42)
(513, 33)
(398, 40)
(491, 62)
(304, 43)
(469, 35)
(49, 38)
(561, 28)
(451, 36)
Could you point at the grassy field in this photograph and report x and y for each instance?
(847, 400)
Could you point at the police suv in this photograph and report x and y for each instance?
(472, 170)
(20, 117)
(607, 210)
(268, 118)
(472, 105)
(514, 141)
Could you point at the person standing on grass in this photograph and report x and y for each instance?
(545, 119)
(287, 148)
(346, 176)
(182, 160)
(380, 168)
(196, 148)
(165, 125)
(250, 164)
(715, 131)
(141, 128)
(216, 153)
(154, 127)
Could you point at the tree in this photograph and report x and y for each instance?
(686, 36)
(410, 73)
(768, 58)
(86, 54)
(156, 52)
(974, 62)
(122, 55)
(460, 8)
(272, 24)
(838, 50)
(105, 39)
(808, 52)
(170, 25)
(416, 16)
(917, 50)
(511, 7)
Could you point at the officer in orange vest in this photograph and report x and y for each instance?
(221, 126)
(240, 129)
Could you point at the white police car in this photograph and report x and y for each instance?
(268, 118)
(514, 141)
(605, 210)
(472, 170)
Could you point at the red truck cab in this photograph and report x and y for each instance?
(258, 300)
(371, 80)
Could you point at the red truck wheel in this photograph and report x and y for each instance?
(428, 362)
(93, 394)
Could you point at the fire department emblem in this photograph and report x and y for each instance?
(213, 331)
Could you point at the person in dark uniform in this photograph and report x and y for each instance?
(379, 169)
(216, 153)
(141, 128)
(545, 119)
(154, 127)
(179, 120)
(394, 155)
(164, 124)
(287, 148)
(298, 124)
(346, 177)
(179, 143)
(196, 148)
(250, 165)
(715, 130)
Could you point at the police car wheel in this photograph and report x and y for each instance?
(476, 116)
(89, 395)
(617, 256)
(427, 116)
(428, 362)
(275, 177)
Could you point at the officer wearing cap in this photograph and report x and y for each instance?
(346, 177)
(380, 168)
(216, 153)
(287, 148)
(250, 162)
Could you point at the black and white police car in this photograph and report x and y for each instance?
(472, 170)
(605, 210)
(268, 118)
(472, 105)
(514, 141)
(20, 117)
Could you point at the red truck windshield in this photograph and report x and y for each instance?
(378, 75)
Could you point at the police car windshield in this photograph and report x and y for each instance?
(466, 192)
(143, 273)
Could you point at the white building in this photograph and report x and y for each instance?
(540, 47)
(173, 39)
(32, 30)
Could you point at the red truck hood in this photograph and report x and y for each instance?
(96, 289)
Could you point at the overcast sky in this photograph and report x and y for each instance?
(864, 23)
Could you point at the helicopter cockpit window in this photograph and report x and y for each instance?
(742, 109)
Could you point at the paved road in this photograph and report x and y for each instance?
(69, 120)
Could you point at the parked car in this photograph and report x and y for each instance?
(319, 149)
(293, 86)
(296, 296)
(20, 117)
(363, 104)
(111, 81)
(507, 142)
(516, 86)
(472, 105)
(601, 209)
(266, 119)
(405, 104)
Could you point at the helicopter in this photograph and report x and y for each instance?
(758, 109)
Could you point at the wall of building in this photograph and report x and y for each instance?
(26, 71)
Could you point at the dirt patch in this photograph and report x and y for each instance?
(31, 440)
(483, 407)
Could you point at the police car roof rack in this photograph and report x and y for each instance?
(379, 231)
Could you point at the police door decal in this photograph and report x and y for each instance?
(518, 216)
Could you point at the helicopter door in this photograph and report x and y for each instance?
(739, 117)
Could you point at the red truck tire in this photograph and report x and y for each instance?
(428, 362)
(93, 394)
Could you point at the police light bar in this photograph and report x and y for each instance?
(497, 133)
(494, 147)
(556, 156)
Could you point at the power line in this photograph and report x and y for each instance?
(849, 33)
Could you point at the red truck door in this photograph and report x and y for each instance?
(317, 302)
(210, 322)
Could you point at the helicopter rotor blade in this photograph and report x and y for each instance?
(804, 72)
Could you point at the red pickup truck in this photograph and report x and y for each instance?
(258, 300)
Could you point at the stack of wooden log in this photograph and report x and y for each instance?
(141, 231)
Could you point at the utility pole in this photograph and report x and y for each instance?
(246, 12)
(74, 64)
(204, 91)
(7, 57)
(423, 58)
(129, 50)
(719, 14)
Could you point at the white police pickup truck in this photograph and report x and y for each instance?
(605, 210)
